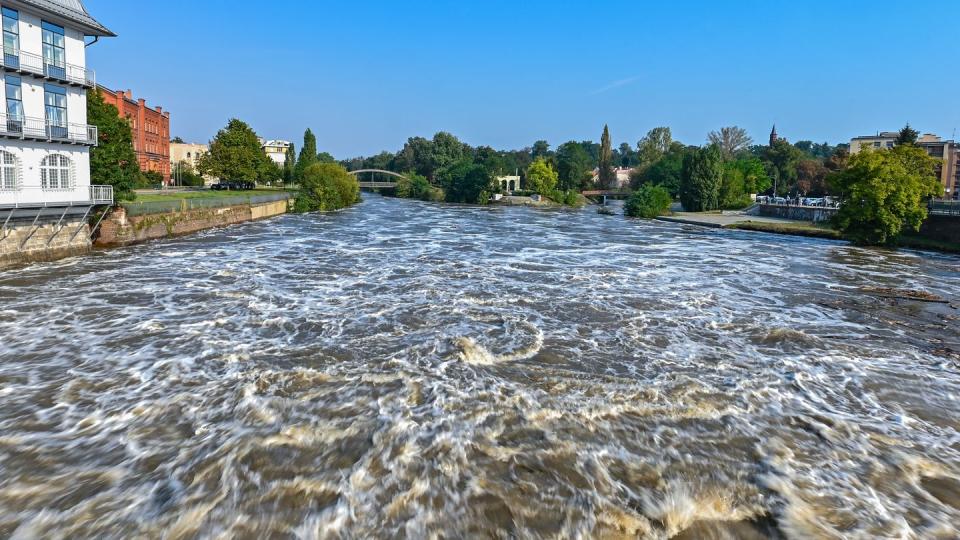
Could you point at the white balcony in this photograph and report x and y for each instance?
(37, 197)
(34, 64)
(39, 129)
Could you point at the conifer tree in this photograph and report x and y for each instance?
(607, 177)
(308, 155)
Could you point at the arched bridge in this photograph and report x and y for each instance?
(372, 184)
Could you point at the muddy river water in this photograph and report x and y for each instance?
(409, 370)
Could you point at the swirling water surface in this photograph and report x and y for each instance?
(402, 369)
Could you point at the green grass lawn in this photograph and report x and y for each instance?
(205, 194)
(800, 228)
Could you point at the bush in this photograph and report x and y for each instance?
(415, 186)
(567, 198)
(325, 187)
(648, 202)
(149, 180)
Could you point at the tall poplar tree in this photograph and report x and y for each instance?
(308, 155)
(607, 177)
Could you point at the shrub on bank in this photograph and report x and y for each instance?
(648, 202)
(415, 186)
(325, 187)
(566, 198)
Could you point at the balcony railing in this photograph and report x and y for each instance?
(35, 64)
(41, 129)
(101, 194)
(38, 197)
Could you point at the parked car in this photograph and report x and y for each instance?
(233, 185)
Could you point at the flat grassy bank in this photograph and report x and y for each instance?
(203, 194)
(799, 228)
(822, 230)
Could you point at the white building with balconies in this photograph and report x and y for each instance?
(45, 140)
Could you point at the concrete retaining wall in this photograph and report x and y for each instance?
(119, 229)
(799, 213)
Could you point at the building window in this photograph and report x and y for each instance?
(889, 144)
(55, 99)
(9, 171)
(11, 38)
(56, 172)
(876, 144)
(54, 54)
(14, 104)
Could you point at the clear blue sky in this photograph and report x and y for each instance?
(365, 75)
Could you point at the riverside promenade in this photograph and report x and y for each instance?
(719, 221)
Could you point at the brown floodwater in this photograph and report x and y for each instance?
(402, 369)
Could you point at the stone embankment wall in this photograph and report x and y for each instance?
(24, 243)
(942, 228)
(798, 213)
(120, 229)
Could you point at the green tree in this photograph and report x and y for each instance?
(573, 166)
(308, 155)
(417, 156)
(653, 147)
(730, 140)
(884, 192)
(626, 155)
(176, 140)
(782, 159)
(447, 149)
(466, 182)
(607, 178)
(648, 202)
(113, 161)
(235, 154)
(741, 178)
(289, 164)
(269, 172)
(907, 135)
(325, 187)
(665, 172)
(541, 149)
(541, 177)
(701, 179)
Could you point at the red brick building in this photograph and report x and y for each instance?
(151, 130)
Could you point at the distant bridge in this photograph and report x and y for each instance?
(372, 184)
(606, 194)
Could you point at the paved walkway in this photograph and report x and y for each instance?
(718, 221)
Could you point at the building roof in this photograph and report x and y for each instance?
(882, 135)
(73, 11)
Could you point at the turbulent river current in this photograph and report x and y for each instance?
(410, 370)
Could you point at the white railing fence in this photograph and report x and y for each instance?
(54, 69)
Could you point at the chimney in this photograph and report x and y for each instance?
(159, 109)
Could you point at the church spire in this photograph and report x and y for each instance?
(773, 135)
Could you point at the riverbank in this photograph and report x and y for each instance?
(798, 228)
(168, 216)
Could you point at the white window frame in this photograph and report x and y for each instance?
(63, 170)
(6, 183)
